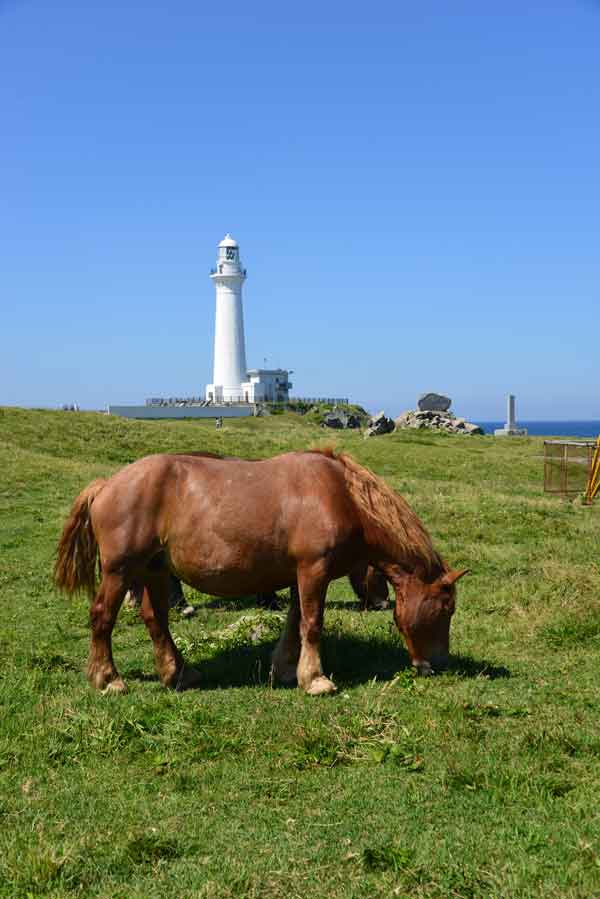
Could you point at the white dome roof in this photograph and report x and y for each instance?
(228, 241)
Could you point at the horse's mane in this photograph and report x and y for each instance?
(387, 519)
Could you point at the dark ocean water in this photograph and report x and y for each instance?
(549, 428)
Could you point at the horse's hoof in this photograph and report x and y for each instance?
(187, 679)
(130, 601)
(117, 685)
(380, 605)
(423, 669)
(188, 611)
(321, 686)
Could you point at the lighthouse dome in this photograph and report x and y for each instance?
(228, 241)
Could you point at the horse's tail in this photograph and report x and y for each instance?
(75, 566)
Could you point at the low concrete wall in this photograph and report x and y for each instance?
(181, 411)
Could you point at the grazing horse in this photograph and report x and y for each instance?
(231, 528)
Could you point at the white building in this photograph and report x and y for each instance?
(232, 382)
(271, 385)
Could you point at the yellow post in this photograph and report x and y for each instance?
(594, 479)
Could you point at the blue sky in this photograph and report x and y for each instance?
(415, 188)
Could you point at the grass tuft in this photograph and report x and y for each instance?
(150, 848)
(387, 858)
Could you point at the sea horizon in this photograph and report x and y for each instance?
(549, 428)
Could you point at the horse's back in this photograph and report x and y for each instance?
(214, 513)
(271, 494)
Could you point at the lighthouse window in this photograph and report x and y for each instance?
(230, 253)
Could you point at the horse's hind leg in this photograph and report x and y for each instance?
(287, 651)
(154, 612)
(370, 586)
(358, 579)
(101, 670)
(312, 585)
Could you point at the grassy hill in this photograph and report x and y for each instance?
(481, 782)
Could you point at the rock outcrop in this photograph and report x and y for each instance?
(338, 419)
(437, 421)
(379, 424)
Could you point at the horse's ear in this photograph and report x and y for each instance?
(451, 577)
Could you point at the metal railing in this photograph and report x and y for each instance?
(243, 399)
(314, 400)
(176, 401)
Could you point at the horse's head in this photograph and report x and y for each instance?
(422, 614)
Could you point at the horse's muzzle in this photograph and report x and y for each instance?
(436, 663)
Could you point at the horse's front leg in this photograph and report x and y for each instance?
(154, 612)
(312, 586)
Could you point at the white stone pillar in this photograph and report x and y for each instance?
(510, 429)
(511, 422)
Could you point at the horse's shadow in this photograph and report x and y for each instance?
(352, 659)
(467, 666)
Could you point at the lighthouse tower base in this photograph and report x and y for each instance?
(241, 393)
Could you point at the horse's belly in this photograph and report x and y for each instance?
(238, 582)
(232, 572)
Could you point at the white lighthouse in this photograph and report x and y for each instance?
(232, 381)
(230, 372)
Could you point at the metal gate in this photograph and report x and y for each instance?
(567, 466)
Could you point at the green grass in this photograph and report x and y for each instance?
(482, 782)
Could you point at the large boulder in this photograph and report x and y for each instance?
(379, 424)
(433, 402)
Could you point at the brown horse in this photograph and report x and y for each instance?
(233, 528)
